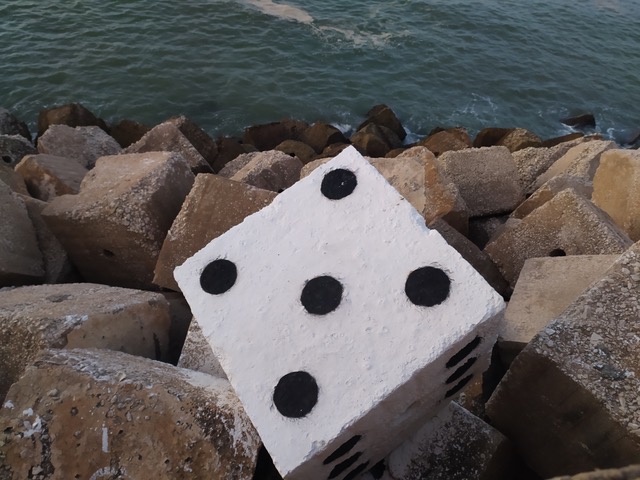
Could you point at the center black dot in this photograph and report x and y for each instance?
(296, 394)
(338, 184)
(218, 277)
(427, 286)
(321, 295)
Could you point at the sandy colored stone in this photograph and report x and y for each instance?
(297, 149)
(98, 414)
(627, 473)
(616, 189)
(545, 288)
(180, 320)
(320, 135)
(570, 400)
(237, 164)
(12, 179)
(486, 178)
(83, 144)
(198, 355)
(271, 170)
(383, 115)
(444, 141)
(214, 205)
(202, 142)
(71, 114)
(550, 189)
(568, 224)
(580, 161)
(167, 137)
(519, 138)
(114, 228)
(78, 315)
(49, 176)
(13, 148)
(20, 256)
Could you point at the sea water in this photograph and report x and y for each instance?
(228, 64)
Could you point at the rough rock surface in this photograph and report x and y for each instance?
(444, 141)
(78, 315)
(383, 115)
(272, 170)
(13, 180)
(298, 149)
(49, 176)
(267, 136)
(13, 148)
(202, 142)
(71, 115)
(198, 355)
(237, 164)
(550, 189)
(12, 125)
(98, 414)
(83, 144)
(320, 135)
(519, 138)
(127, 132)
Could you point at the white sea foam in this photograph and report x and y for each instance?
(358, 38)
(282, 10)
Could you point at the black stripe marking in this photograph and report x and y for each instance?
(461, 370)
(459, 386)
(357, 471)
(343, 466)
(342, 449)
(466, 350)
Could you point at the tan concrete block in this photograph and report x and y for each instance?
(631, 472)
(20, 256)
(13, 148)
(580, 161)
(114, 228)
(568, 224)
(48, 176)
(214, 205)
(83, 144)
(237, 164)
(167, 137)
(486, 178)
(548, 190)
(98, 414)
(570, 400)
(271, 170)
(13, 180)
(80, 315)
(545, 288)
(198, 355)
(202, 142)
(616, 189)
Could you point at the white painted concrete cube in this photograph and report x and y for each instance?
(341, 320)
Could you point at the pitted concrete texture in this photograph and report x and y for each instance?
(167, 137)
(568, 224)
(271, 170)
(114, 228)
(547, 191)
(83, 144)
(48, 176)
(202, 142)
(12, 179)
(82, 315)
(486, 178)
(631, 472)
(214, 205)
(545, 288)
(570, 400)
(97, 414)
(13, 148)
(20, 256)
(616, 189)
(198, 355)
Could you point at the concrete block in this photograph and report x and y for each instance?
(114, 228)
(20, 256)
(49, 176)
(13, 148)
(568, 224)
(83, 144)
(295, 148)
(238, 163)
(98, 414)
(167, 137)
(631, 472)
(320, 135)
(202, 142)
(551, 188)
(326, 289)
(446, 141)
(198, 355)
(486, 178)
(519, 138)
(545, 288)
(214, 205)
(80, 315)
(12, 179)
(12, 125)
(616, 189)
(570, 399)
(272, 170)
(71, 114)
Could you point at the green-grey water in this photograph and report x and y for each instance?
(230, 64)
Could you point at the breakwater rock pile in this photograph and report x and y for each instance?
(104, 375)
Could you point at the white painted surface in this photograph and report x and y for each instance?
(378, 359)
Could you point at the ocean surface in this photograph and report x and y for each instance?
(228, 64)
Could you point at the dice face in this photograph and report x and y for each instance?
(340, 319)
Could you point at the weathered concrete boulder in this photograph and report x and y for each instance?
(570, 400)
(550, 189)
(298, 149)
(237, 164)
(198, 355)
(580, 122)
(616, 189)
(519, 138)
(180, 320)
(127, 132)
(490, 136)
(228, 149)
(214, 205)
(71, 115)
(568, 224)
(49, 176)
(580, 161)
(552, 142)
(371, 141)
(97, 414)
(486, 178)
(482, 230)
(272, 170)
(13, 148)
(546, 287)
(202, 142)
(446, 140)
(20, 256)
(631, 472)
(13, 180)
(78, 315)
(383, 116)
(320, 135)
(83, 144)
(268, 136)
(167, 137)
(333, 150)
(114, 228)
(12, 125)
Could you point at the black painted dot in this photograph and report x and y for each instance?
(463, 352)
(321, 295)
(342, 449)
(296, 394)
(343, 466)
(338, 184)
(218, 277)
(427, 286)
